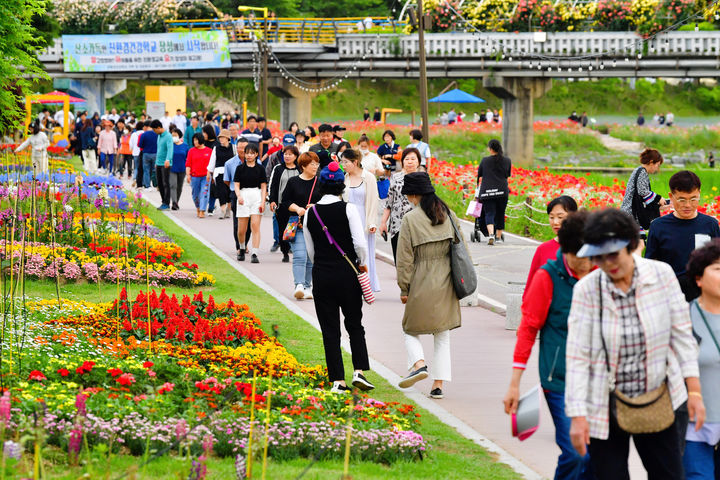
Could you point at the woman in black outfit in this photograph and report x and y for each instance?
(335, 283)
(494, 191)
(211, 141)
(222, 153)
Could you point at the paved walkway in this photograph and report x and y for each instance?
(481, 348)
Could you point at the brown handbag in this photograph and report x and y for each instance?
(650, 412)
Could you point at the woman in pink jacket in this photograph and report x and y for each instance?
(107, 146)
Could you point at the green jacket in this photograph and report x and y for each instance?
(164, 149)
(553, 336)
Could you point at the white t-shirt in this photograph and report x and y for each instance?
(180, 122)
(166, 121)
(134, 143)
(371, 163)
(60, 118)
(489, 116)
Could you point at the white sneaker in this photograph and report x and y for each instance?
(299, 292)
(308, 294)
(210, 214)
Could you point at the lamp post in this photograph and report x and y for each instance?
(263, 101)
(423, 74)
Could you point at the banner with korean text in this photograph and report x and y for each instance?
(156, 51)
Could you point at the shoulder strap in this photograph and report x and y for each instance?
(707, 325)
(455, 228)
(602, 337)
(310, 197)
(331, 239)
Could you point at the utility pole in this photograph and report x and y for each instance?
(423, 74)
(264, 93)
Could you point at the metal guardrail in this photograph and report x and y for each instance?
(289, 30)
(607, 44)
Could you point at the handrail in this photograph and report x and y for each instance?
(286, 29)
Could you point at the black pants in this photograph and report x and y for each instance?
(233, 207)
(163, 179)
(336, 288)
(221, 191)
(282, 220)
(494, 211)
(124, 160)
(660, 452)
(393, 243)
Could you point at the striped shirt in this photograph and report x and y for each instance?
(254, 136)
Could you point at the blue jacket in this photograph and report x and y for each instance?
(148, 142)
(87, 139)
(180, 151)
(165, 149)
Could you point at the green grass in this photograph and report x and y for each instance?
(451, 455)
(672, 141)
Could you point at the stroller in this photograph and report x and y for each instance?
(480, 231)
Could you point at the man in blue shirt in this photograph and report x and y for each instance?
(148, 145)
(252, 132)
(228, 176)
(163, 162)
(673, 237)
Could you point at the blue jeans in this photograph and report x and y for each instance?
(199, 192)
(110, 157)
(302, 266)
(571, 466)
(701, 461)
(276, 230)
(148, 167)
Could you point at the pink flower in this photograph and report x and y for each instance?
(166, 387)
(5, 407)
(151, 373)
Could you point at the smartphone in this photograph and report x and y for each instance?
(384, 235)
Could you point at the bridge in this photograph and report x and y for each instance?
(517, 67)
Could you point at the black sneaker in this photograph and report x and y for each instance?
(436, 393)
(241, 256)
(175, 206)
(286, 258)
(501, 238)
(491, 240)
(361, 382)
(254, 259)
(419, 374)
(275, 247)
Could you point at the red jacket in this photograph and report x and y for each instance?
(197, 161)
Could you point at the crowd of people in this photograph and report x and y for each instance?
(626, 304)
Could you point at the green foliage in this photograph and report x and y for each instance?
(342, 8)
(702, 26)
(45, 24)
(17, 49)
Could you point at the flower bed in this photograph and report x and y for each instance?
(93, 374)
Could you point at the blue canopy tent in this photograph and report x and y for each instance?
(456, 96)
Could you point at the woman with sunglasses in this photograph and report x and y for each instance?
(629, 333)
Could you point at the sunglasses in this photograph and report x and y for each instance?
(605, 257)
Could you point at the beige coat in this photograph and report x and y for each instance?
(423, 274)
(372, 199)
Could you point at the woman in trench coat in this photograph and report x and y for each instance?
(424, 277)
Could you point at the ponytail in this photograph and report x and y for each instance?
(496, 147)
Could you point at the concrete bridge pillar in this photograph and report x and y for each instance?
(518, 95)
(295, 104)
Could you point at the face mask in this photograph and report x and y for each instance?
(176, 139)
(364, 151)
(125, 131)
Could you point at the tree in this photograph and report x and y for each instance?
(19, 67)
(345, 8)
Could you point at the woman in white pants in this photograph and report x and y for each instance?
(39, 143)
(424, 278)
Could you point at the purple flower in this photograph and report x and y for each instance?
(80, 404)
(75, 440)
(12, 450)
(98, 202)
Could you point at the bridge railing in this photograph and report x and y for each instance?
(608, 44)
(289, 30)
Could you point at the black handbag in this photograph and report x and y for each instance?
(644, 214)
(461, 266)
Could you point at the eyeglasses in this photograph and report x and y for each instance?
(687, 201)
(611, 257)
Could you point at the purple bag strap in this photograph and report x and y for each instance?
(327, 233)
(331, 239)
